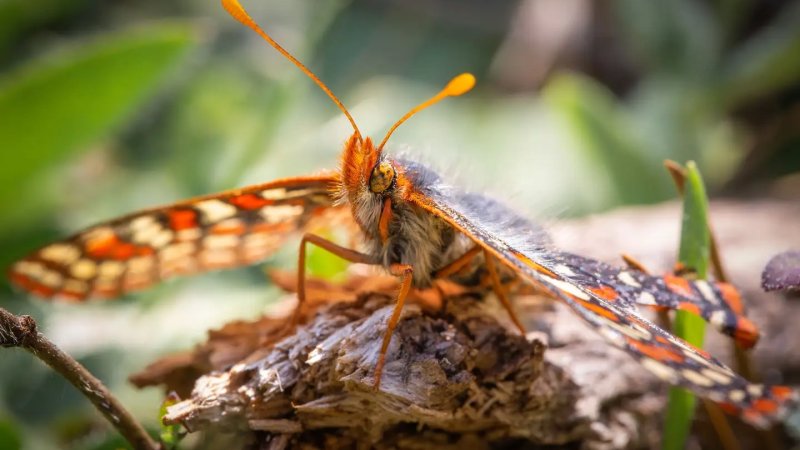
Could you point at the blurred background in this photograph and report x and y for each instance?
(107, 107)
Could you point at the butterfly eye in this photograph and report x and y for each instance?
(381, 178)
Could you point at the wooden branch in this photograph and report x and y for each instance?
(21, 331)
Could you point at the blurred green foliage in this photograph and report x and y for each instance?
(63, 103)
(108, 107)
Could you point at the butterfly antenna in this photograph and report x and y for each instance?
(459, 85)
(238, 12)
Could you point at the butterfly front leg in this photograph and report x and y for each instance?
(404, 271)
(406, 274)
(342, 252)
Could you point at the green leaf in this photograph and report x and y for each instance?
(603, 129)
(59, 105)
(767, 62)
(694, 255)
(10, 435)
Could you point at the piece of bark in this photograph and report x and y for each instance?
(461, 377)
(455, 373)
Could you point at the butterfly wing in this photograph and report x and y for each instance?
(668, 357)
(230, 229)
(718, 303)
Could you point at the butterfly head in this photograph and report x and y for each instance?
(364, 168)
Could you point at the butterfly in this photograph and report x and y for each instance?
(420, 229)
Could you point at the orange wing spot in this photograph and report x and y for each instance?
(31, 285)
(765, 405)
(731, 296)
(20, 280)
(663, 340)
(111, 246)
(249, 201)
(679, 285)
(236, 229)
(102, 247)
(529, 262)
(40, 289)
(782, 392)
(605, 292)
(597, 309)
(689, 307)
(144, 251)
(183, 219)
(728, 408)
(657, 353)
(746, 333)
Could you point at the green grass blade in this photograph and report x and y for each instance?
(694, 255)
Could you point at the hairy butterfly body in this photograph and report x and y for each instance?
(418, 228)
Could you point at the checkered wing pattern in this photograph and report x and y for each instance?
(231, 229)
(605, 298)
(718, 303)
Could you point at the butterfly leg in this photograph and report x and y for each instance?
(500, 292)
(342, 252)
(458, 264)
(406, 273)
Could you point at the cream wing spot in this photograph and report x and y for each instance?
(280, 213)
(110, 270)
(189, 234)
(662, 371)
(162, 238)
(174, 252)
(77, 286)
(717, 318)
(566, 287)
(737, 395)
(215, 210)
(273, 194)
(61, 253)
(696, 378)
(221, 241)
(218, 258)
(84, 269)
(718, 377)
(51, 278)
(30, 269)
(706, 291)
(564, 270)
(646, 298)
(756, 390)
(141, 265)
(628, 279)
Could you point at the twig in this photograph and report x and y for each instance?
(20, 331)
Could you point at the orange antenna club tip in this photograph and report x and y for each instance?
(459, 85)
